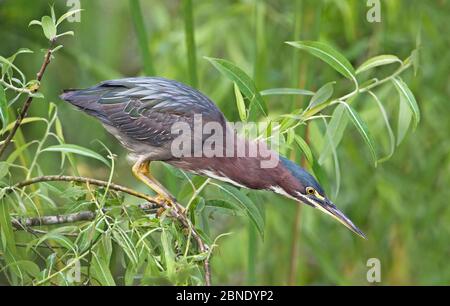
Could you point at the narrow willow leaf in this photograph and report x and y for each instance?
(29, 268)
(388, 127)
(59, 239)
(290, 136)
(334, 133)
(333, 147)
(328, 55)
(10, 255)
(362, 129)
(67, 15)
(4, 116)
(322, 95)
(20, 51)
(240, 103)
(404, 120)
(71, 33)
(6, 230)
(225, 206)
(4, 169)
(243, 81)
(7, 66)
(18, 151)
(415, 59)
(409, 98)
(305, 148)
(70, 148)
(245, 204)
(377, 61)
(35, 22)
(52, 13)
(169, 254)
(100, 271)
(286, 91)
(24, 121)
(48, 27)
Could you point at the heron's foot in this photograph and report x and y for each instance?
(168, 201)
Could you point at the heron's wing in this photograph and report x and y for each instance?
(145, 109)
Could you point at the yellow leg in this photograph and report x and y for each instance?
(141, 171)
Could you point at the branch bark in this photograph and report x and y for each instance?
(24, 223)
(176, 211)
(24, 111)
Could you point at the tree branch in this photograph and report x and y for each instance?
(177, 211)
(24, 223)
(24, 111)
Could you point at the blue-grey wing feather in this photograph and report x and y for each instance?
(145, 108)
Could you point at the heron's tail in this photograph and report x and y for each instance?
(87, 101)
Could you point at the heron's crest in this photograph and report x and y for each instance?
(305, 178)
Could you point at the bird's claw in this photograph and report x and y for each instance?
(169, 202)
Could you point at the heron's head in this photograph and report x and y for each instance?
(309, 192)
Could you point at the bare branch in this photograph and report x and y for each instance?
(24, 223)
(24, 111)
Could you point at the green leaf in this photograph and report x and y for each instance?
(35, 22)
(246, 205)
(377, 61)
(404, 120)
(70, 148)
(240, 103)
(409, 98)
(322, 95)
(67, 15)
(71, 33)
(305, 148)
(225, 206)
(100, 271)
(168, 253)
(101, 258)
(18, 151)
(59, 239)
(4, 115)
(388, 127)
(4, 169)
(48, 27)
(6, 231)
(328, 55)
(362, 129)
(29, 267)
(52, 13)
(8, 65)
(286, 91)
(24, 121)
(243, 81)
(335, 131)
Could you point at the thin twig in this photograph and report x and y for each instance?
(24, 111)
(176, 211)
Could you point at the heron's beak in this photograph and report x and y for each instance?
(329, 208)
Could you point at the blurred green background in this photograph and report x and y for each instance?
(402, 205)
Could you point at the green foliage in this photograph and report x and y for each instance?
(244, 82)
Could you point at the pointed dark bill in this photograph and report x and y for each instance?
(330, 209)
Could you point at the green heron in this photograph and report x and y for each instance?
(141, 112)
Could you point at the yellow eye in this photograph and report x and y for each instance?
(310, 191)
